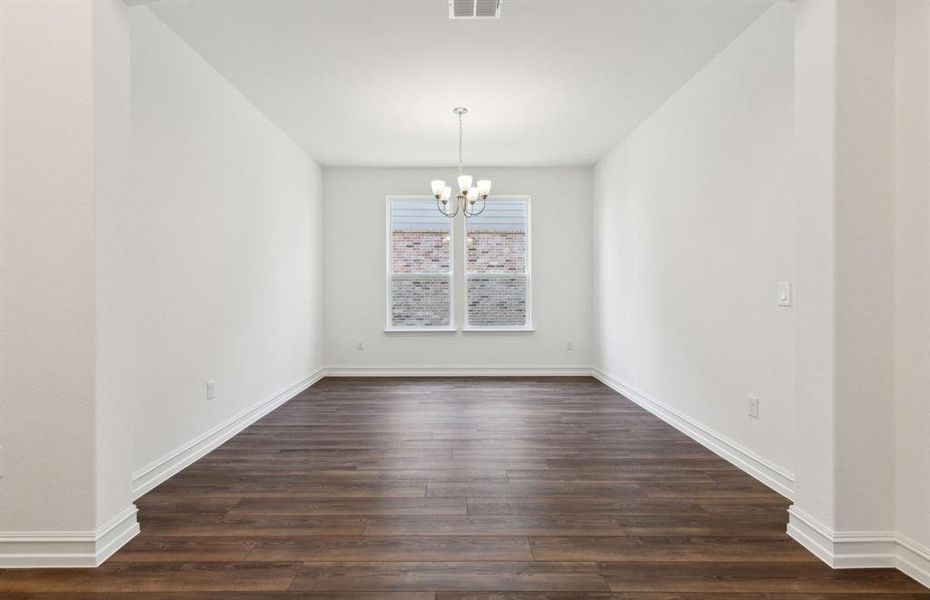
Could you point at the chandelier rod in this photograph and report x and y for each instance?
(461, 163)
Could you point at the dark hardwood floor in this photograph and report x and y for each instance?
(460, 489)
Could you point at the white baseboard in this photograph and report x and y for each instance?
(146, 478)
(459, 371)
(913, 559)
(44, 549)
(842, 550)
(860, 549)
(778, 478)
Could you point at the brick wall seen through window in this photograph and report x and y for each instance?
(420, 294)
(497, 266)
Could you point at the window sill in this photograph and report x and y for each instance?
(498, 329)
(420, 330)
(463, 330)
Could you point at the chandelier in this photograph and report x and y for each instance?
(466, 200)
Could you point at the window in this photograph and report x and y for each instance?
(497, 266)
(419, 265)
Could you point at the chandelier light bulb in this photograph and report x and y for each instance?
(464, 183)
(484, 187)
(445, 194)
(472, 194)
(438, 186)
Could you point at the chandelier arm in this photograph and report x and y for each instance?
(475, 213)
(444, 211)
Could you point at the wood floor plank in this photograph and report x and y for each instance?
(618, 475)
(548, 524)
(667, 525)
(784, 577)
(224, 595)
(789, 595)
(400, 548)
(169, 549)
(528, 489)
(460, 489)
(349, 506)
(631, 506)
(419, 576)
(154, 577)
(670, 549)
(422, 476)
(355, 595)
(163, 503)
(295, 487)
(699, 489)
(255, 525)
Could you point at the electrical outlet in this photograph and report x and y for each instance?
(569, 346)
(753, 407)
(211, 390)
(359, 346)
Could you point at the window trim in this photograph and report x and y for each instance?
(456, 278)
(389, 327)
(529, 325)
(497, 329)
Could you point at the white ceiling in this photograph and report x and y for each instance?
(373, 82)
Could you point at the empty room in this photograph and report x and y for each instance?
(464, 299)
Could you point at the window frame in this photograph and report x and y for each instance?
(389, 271)
(528, 325)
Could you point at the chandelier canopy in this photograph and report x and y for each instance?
(468, 195)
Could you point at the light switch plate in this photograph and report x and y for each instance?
(754, 407)
(784, 293)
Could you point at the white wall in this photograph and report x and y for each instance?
(864, 266)
(65, 497)
(354, 280)
(694, 225)
(863, 468)
(212, 267)
(47, 283)
(845, 138)
(113, 185)
(912, 273)
(815, 157)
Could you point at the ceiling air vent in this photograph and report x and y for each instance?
(474, 9)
